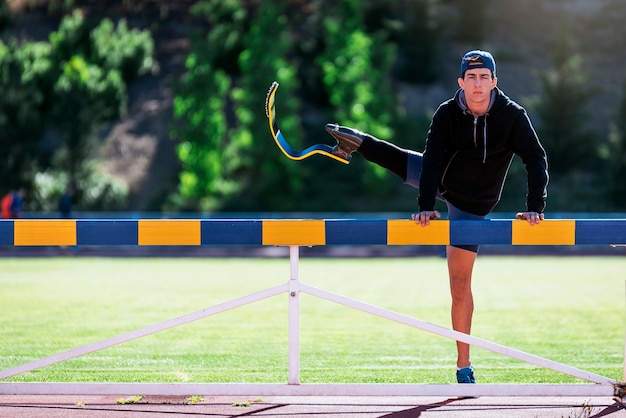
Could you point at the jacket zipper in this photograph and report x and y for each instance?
(485, 140)
(484, 137)
(475, 125)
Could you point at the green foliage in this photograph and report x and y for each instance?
(89, 93)
(268, 177)
(6, 16)
(71, 38)
(100, 191)
(201, 113)
(356, 68)
(562, 114)
(71, 86)
(26, 76)
(476, 12)
(48, 187)
(353, 70)
(257, 175)
(202, 135)
(613, 156)
(57, 6)
(95, 66)
(562, 109)
(225, 165)
(91, 96)
(418, 38)
(229, 20)
(335, 61)
(128, 50)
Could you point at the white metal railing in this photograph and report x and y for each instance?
(598, 386)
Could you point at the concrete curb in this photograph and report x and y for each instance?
(95, 406)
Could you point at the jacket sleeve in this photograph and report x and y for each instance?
(434, 152)
(533, 155)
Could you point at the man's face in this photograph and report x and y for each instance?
(477, 84)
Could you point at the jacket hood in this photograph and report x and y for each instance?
(494, 103)
(459, 98)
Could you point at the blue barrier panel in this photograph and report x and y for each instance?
(600, 231)
(106, 232)
(231, 232)
(356, 232)
(6, 233)
(480, 232)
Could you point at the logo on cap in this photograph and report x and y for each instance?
(478, 59)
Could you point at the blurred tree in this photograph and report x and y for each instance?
(85, 96)
(472, 22)
(563, 112)
(27, 74)
(220, 119)
(201, 127)
(201, 108)
(68, 85)
(267, 177)
(71, 38)
(129, 51)
(6, 15)
(418, 33)
(356, 72)
(613, 155)
(96, 63)
(229, 160)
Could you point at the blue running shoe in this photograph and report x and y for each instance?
(465, 375)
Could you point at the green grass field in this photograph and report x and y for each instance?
(568, 309)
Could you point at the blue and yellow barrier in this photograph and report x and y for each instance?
(303, 232)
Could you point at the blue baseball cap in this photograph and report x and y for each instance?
(478, 59)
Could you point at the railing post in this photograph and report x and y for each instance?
(294, 316)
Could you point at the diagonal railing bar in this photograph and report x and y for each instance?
(151, 329)
(455, 335)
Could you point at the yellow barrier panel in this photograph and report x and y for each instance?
(294, 232)
(548, 232)
(401, 232)
(44, 232)
(169, 232)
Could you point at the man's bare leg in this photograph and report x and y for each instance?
(460, 266)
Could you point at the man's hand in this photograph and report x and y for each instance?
(533, 218)
(423, 218)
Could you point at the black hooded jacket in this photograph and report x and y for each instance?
(467, 158)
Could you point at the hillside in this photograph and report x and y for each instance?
(139, 150)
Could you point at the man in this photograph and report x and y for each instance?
(65, 203)
(12, 204)
(469, 147)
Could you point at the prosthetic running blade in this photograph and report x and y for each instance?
(270, 112)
